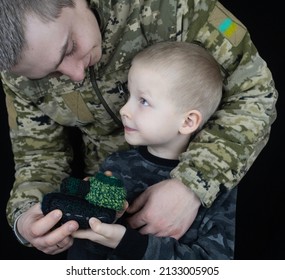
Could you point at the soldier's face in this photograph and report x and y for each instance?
(67, 45)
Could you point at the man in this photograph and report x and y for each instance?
(50, 45)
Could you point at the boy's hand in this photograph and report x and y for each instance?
(108, 235)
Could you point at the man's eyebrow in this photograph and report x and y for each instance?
(62, 54)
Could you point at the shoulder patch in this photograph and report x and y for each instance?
(227, 24)
(77, 105)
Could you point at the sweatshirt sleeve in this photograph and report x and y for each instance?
(132, 246)
(224, 150)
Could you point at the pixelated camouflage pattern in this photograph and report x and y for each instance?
(211, 236)
(218, 157)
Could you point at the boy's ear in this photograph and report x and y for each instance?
(192, 121)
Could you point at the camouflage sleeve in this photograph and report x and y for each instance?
(223, 151)
(41, 155)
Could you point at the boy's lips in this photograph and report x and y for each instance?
(129, 129)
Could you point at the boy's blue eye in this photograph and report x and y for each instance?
(144, 102)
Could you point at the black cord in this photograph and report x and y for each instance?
(101, 98)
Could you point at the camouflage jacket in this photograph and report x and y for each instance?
(218, 157)
(211, 236)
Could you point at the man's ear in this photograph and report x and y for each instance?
(191, 122)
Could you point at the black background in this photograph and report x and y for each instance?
(260, 206)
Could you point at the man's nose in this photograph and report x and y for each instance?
(75, 71)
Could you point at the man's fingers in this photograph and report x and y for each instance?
(43, 225)
(137, 204)
(135, 221)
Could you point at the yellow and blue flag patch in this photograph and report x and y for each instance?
(227, 24)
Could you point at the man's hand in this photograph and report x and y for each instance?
(167, 208)
(38, 230)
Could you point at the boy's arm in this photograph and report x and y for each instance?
(212, 236)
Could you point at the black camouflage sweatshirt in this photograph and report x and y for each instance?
(211, 236)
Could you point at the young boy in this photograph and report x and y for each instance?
(174, 89)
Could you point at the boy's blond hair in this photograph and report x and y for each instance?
(195, 76)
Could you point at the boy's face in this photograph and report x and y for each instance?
(150, 116)
(67, 45)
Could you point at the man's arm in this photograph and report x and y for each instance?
(42, 157)
(220, 155)
(40, 148)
